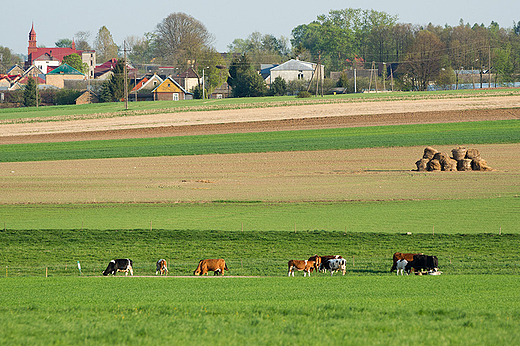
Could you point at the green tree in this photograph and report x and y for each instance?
(105, 94)
(446, 78)
(114, 88)
(31, 94)
(215, 74)
(104, 45)
(7, 59)
(67, 96)
(244, 79)
(262, 48)
(64, 43)
(279, 87)
(74, 60)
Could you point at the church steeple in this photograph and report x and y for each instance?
(32, 41)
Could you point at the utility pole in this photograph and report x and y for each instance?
(391, 77)
(355, 81)
(489, 63)
(126, 77)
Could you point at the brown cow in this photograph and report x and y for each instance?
(161, 267)
(399, 256)
(215, 265)
(306, 265)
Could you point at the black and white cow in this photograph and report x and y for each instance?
(119, 265)
(423, 262)
(401, 266)
(334, 264)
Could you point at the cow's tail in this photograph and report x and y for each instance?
(225, 266)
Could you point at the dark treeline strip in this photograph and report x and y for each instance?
(485, 132)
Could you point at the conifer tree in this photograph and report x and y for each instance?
(31, 94)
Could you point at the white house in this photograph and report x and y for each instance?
(295, 70)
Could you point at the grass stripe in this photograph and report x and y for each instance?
(503, 131)
(445, 216)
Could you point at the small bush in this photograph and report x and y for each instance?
(303, 94)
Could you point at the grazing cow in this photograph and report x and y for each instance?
(161, 267)
(333, 265)
(212, 265)
(401, 265)
(400, 255)
(423, 262)
(119, 265)
(305, 265)
(318, 260)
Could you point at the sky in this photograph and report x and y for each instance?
(227, 19)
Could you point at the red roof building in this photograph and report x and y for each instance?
(58, 53)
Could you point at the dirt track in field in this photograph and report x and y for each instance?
(266, 119)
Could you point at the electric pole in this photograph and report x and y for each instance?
(125, 73)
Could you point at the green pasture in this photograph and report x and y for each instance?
(134, 108)
(482, 132)
(390, 310)
(55, 252)
(468, 216)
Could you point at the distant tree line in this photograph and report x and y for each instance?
(414, 55)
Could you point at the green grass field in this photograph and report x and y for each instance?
(476, 301)
(458, 216)
(482, 132)
(445, 310)
(262, 253)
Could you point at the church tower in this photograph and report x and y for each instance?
(32, 42)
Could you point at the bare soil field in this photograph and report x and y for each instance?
(266, 119)
(336, 175)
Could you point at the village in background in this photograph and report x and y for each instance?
(68, 74)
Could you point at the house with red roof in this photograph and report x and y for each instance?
(42, 54)
(104, 71)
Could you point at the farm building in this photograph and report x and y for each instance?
(294, 70)
(170, 90)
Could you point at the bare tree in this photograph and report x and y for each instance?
(104, 45)
(424, 58)
(81, 39)
(180, 39)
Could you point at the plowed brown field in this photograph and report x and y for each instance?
(361, 174)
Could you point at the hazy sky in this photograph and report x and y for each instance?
(226, 19)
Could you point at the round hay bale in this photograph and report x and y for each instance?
(479, 164)
(442, 157)
(459, 153)
(434, 165)
(449, 165)
(429, 152)
(464, 165)
(472, 154)
(422, 165)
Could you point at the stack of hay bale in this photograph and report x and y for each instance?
(462, 160)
